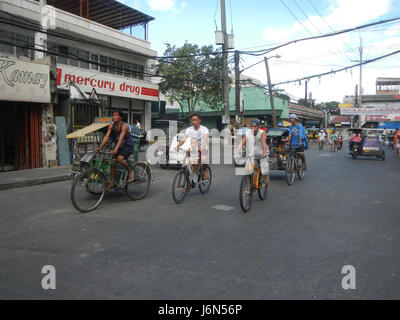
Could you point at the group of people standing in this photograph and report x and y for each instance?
(334, 139)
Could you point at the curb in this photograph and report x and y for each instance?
(34, 182)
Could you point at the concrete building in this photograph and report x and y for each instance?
(92, 47)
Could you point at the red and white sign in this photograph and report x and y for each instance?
(107, 85)
(383, 117)
(370, 111)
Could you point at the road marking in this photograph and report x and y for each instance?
(223, 207)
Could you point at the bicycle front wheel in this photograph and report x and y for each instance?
(180, 186)
(139, 187)
(246, 193)
(290, 174)
(88, 190)
(205, 184)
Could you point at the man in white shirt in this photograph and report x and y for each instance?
(321, 138)
(200, 133)
(138, 124)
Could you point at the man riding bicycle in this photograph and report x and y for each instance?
(198, 133)
(260, 147)
(297, 138)
(123, 145)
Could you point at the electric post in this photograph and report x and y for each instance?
(225, 72)
(237, 90)
(271, 98)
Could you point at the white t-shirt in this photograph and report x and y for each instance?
(321, 136)
(138, 125)
(197, 134)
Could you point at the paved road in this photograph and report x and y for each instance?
(291, 246)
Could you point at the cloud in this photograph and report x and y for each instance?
(318, 56)
(161, 5)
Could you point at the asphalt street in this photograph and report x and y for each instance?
(291, 246)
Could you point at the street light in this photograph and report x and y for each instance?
(271, 98)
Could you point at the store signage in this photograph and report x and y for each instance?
(106, 84)
(24, 81)
(370, 111)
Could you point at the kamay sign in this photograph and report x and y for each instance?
(106, 85)
(24, 81)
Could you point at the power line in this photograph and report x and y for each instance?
(339, 70)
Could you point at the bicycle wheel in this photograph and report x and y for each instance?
(180, 186)
(290, 171)
(246, 193)
(262, 192)
(300, 172)
(205, 185)
(88, 190)
(138, 188)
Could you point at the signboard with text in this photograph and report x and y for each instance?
(24, 81)
(370, 111)
(106, 84)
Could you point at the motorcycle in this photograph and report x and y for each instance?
(339, 143)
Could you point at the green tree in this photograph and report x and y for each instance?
(191, 74)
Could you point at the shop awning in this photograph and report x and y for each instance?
(84, 131)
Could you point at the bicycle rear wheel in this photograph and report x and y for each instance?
(246, 193)
(205, 185)
(289, 172)
(88, 190)
(138, 188)
(180, 186)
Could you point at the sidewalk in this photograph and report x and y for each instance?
(30, 177)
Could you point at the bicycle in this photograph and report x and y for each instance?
(187, 179)
(250, 183)
(90, 186)
(294, 166)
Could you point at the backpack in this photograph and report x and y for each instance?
(135, 132)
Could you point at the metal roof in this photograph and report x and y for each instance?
(110, 13)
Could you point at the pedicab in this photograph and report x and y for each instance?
(370, 145)
(276, 141)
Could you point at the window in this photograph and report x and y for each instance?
(119, 67)
(134, 68)
(62, 52)
(141, 72)
(22, 45)
(73, 55)
(111, 65)
(103, 63)
(6, 42)
(51, 49)
(84, 57)
(127, 67)
(94, 58)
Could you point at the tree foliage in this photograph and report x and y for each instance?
(191, 74)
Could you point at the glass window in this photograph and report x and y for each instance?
(51, 49)
(73, 55)
(119, 67)
(22, 45)
(127, 67)
(84, 58)
(94, 58)
(103, 63)
(141, 72)
(62, 52)
(6, 42)
(111, 65)
(134, 68)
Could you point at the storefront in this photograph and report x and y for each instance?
(131, 96)
(24, 99)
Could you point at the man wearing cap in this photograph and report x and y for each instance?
(263, 127)
(297, 137)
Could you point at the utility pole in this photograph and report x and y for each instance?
(225, 72)
(40, 37)
(237, 89)
(361, 61)
(271, 98)
(305, 97)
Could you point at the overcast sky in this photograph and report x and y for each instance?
(261, 24)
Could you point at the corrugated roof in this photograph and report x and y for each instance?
(111, 13)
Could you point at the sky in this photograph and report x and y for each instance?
(259, 24)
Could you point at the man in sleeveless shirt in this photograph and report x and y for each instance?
(123, 145)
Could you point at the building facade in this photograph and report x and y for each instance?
(90, 46)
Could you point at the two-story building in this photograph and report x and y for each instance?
(95, 44)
